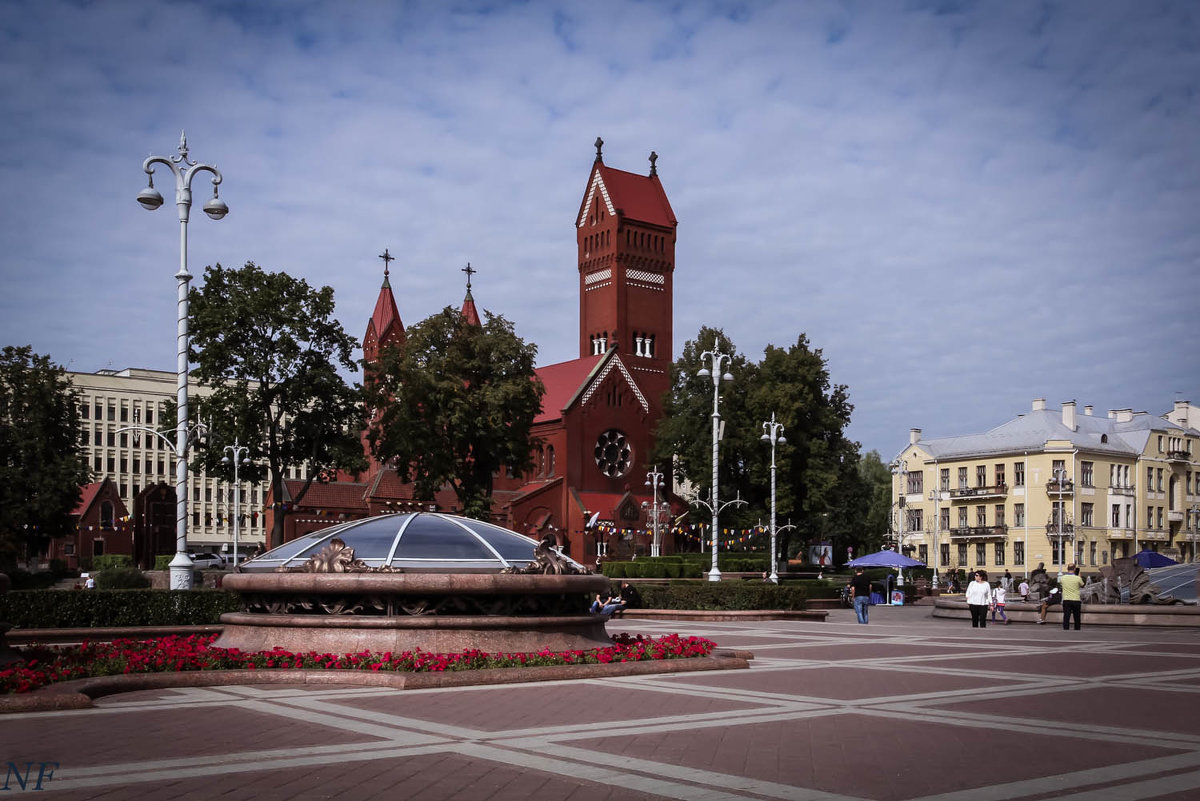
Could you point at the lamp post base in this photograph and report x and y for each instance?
(714, 575)
(181, 572)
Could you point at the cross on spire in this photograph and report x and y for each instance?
(387, 259)
(469, 271)
(599, 147)
(653, 166)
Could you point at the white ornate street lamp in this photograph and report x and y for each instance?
(239, 458)
(184, 169)
(654, 481)
(935, 495)
(1060, 474)
(773, 433)
(717, 360)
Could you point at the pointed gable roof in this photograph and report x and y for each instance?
(469, 312)
(577, 380)
(634, 197)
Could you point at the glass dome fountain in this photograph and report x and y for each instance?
(412, 542)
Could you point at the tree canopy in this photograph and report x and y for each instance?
(270, 349)
(818, 488)
(456, 404)
(42, 464)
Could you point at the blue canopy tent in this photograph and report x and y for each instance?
(893, 559)
(1149, 559)
(885, 559)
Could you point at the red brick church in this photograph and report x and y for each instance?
(588, 486)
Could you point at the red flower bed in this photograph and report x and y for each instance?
(171, 654)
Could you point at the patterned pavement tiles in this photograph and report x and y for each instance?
(908, 708)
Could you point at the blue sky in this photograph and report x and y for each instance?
(965, 206)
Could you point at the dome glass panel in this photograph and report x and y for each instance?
(413, 541)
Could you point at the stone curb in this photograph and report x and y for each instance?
(1143, 615)
(725, 615)
(78, 694)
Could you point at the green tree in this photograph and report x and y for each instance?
(41, 455)
(268, 346)
(817, 486)
(456, 404)
(877, 479)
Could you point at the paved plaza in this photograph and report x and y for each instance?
(908, 707)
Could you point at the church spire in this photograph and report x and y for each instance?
(385, 327)
(469, 312)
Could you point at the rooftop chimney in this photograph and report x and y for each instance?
(1069, 415)
(1039, 404)
(1122, 415)
(1087, 410)
(914, 436)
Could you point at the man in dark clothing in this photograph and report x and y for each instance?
(860, 591)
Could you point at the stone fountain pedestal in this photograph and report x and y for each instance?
(436, 612)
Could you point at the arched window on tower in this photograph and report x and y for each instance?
(550, 460)
(106, 514)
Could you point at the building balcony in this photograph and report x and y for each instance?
(979, 533)
(1065, 527)
(963, 493)
(1175, 516)
(1130, 490)
(1178, 456)
(1120, 534)
(1056, 488)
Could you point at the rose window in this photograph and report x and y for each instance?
(613, 454)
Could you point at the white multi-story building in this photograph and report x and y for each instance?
(1053, 486)
(112, 400)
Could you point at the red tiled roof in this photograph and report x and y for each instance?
(562, 382)
(603, 502)
(336, 494)
(88, 495)
(469, 312)
(637, 197)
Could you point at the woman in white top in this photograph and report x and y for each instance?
(998, 596)
(979, 596)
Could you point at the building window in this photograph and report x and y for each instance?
(962, 478)
(945, 518)
(1019, 474)
(1085, 474)
(1018, 514)
(1149, 479)
(981, 476)
(1116, 515)
(1160, 482)
(1092, 554)
(999, 553)
(915, 483)
(1160, 443)
(945, 479)
(1160, 525)
(980, 554)
(962, 517)
(915, 520)
(945, 553)
(981, 516)
(962, 554)
(923, 553)
(1055, 553)
(999, 516)
(106, 514)
(550, 460)
(613, 454)
(999, 475)
(1085, 514)
(1018, 553)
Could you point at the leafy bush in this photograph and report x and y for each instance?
(122, 578)
(37, 609)
(163, 561)
(24, 580)
(111, 560)
(722, 595)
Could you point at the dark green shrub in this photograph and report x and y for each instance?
(24, 580)
(36, 609)
(110, 560)
(722, 595)
(121, 578)
(163, 561)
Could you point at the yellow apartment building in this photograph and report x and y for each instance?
(1054, 486)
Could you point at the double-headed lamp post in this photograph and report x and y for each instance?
(184, 169)
(935, 495)
(654, 480)
(239, 459)
(718, 360)
(773, 433)
(1060, 511)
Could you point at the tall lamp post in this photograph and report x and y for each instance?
(654, 481)
(773, 433)
(239, 458)
(184, 169)
(717, 360)
(935, 495)
(1060, 475)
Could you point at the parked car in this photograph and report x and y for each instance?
(206, 561)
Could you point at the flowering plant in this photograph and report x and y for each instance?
(172, 654)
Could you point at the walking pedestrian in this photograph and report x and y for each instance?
(1071, 584)
(860, 592)
(998, 596)
(979, 596)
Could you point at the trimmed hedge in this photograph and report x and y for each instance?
(721, 595)
(109, 561)
(121, 578)
(39, 609)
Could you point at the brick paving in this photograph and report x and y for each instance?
(908, 708)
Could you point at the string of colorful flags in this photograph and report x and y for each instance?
(730, 537)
